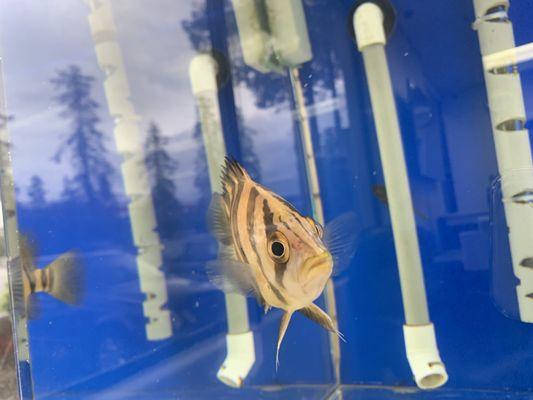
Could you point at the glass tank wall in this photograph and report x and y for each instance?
(116, 116)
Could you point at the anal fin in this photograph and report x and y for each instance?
(282, 329)
(316, 314)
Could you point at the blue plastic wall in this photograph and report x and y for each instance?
(100, 348)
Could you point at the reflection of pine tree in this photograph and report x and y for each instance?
(201, 179)
(36, 192)
(161, 168)
(249, 157)
(85, 142)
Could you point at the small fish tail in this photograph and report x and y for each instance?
(64, 279)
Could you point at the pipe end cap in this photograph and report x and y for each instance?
(423, 355)
(239, 360)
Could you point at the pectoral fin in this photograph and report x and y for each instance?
(217, 220)
(315, 313)
(340, 237)
(282, 329)
(232, 276)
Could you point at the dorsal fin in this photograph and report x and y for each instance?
(232, 173)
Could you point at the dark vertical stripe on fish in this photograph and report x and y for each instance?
(270, 228)
(250, 217)
(44, 279)
(29, 274)
(50, 279)
(233, 217)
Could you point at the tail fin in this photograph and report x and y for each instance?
(67, 279)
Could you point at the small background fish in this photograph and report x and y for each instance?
(269, 250)
(63, 279)
(380, 191)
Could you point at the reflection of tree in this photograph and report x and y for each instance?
(201, 179)
(85, 142)
(36, 192)
(161, 168)
(249, 156)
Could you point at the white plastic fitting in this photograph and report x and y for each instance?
(288, 31)
(505, 58)
(273, 34)
(203, 71)
(368, 25)
(239, 359)
(423, 356)
(255, 42)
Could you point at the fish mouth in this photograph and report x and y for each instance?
(315, 267)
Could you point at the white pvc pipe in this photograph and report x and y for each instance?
(240, 355)
(10, 232)
(128, 136)
(508, 57)
(507, 112)
(421, 347)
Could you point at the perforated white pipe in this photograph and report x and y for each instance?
(134, 174)
(511, 139)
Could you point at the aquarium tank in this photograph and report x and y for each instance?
(266, 199)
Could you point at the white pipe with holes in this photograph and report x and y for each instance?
(127, 135)
(240, 356)
(420, 342)
(511, 139)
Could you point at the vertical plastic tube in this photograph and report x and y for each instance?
(134, 174)
(318, 211)
(511, 139)
(240, 341)
(292, 47)
(421, 347)
(10, 236)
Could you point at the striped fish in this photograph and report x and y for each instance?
(62, 279)
(269, 250)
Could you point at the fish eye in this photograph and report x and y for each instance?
(278, 247)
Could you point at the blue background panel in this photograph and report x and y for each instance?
(100, 349)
